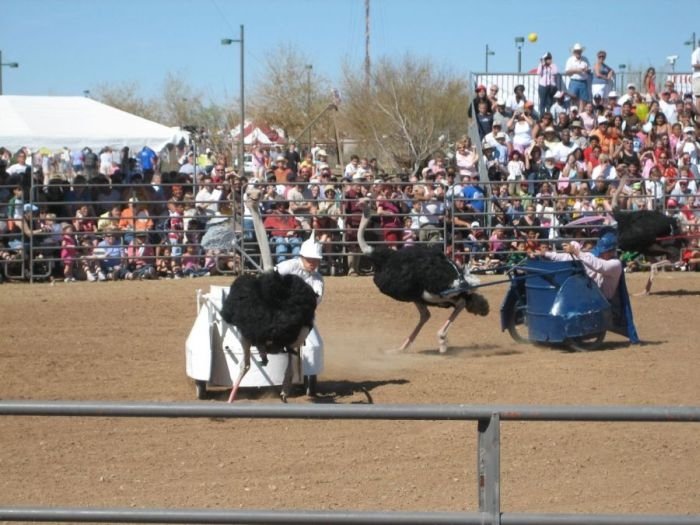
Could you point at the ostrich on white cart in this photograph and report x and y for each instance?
(267, 315)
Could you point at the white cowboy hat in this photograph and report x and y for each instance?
(311, 249)
(577, 47)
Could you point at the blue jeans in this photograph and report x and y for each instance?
(248, 229)
(579, 89)
(284, 246)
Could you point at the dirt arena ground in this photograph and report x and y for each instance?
(125, 342)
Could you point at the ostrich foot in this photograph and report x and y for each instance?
(443, 346)
(283, 397)
(401, 348)
(263, 358)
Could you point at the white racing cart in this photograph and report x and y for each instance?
(213, 351)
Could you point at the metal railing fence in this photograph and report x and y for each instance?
(36, 256)
(488, 417)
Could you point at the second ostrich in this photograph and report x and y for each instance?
(651, 233)
(424, 276)
(273, 312)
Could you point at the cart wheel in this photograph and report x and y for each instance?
(586, 343)
(200, 388)
(517, 322)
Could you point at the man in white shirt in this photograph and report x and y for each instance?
(351, 168)
(667, 107)
(207, 198)
(306, 267)
(558, 106)
(490, 138)
(565, 146)
(695, 64)
(20, 167)
(578, 69)
(689, 144)
(630, 96)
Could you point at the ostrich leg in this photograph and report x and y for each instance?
(442, 333)
(243, 369)
(424, 316)
(655, 267)
(287, 382)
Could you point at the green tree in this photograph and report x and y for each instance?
(402, 114)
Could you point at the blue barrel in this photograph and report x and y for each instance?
(563, 302)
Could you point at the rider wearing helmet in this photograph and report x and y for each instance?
(605, 269)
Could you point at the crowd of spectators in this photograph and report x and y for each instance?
(142, 215)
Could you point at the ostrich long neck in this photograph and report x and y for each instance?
(364, 221)
(260, 233)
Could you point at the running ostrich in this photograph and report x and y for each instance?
(271, 311)
(651, 233)
(424, 276)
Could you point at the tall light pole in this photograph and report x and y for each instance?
(5, 64)
(489, 53)
(672, 60)
(86, 93)
(241, 146)
(519, 41)
(692, 42)
(622, 68)
(308, 68)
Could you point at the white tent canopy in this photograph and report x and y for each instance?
(258, 134)
(76, 122)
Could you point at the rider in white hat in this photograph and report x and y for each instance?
(306, 267)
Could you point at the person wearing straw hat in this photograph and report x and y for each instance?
(306, 266)
(578, 69)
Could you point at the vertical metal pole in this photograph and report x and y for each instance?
(241, 166)
(309, 67)
(520, 56)
(367, 44)
(0, 72)
(487, 59)
(489, 467)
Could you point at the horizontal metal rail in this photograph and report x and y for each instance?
(117, 515)
(374, 412)
(488, 416)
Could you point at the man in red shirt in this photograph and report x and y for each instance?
(284, 230)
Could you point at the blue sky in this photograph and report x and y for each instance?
(67, 46)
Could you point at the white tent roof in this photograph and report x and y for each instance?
(76, 122)
(255, 134)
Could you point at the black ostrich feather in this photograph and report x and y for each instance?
(643, 231)
(405, 274)
(270, 309)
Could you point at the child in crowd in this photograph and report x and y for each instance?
(69, 252)
(410, 234)
(112, 260)
(192, 263)
(140, 259)
(164, 263)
